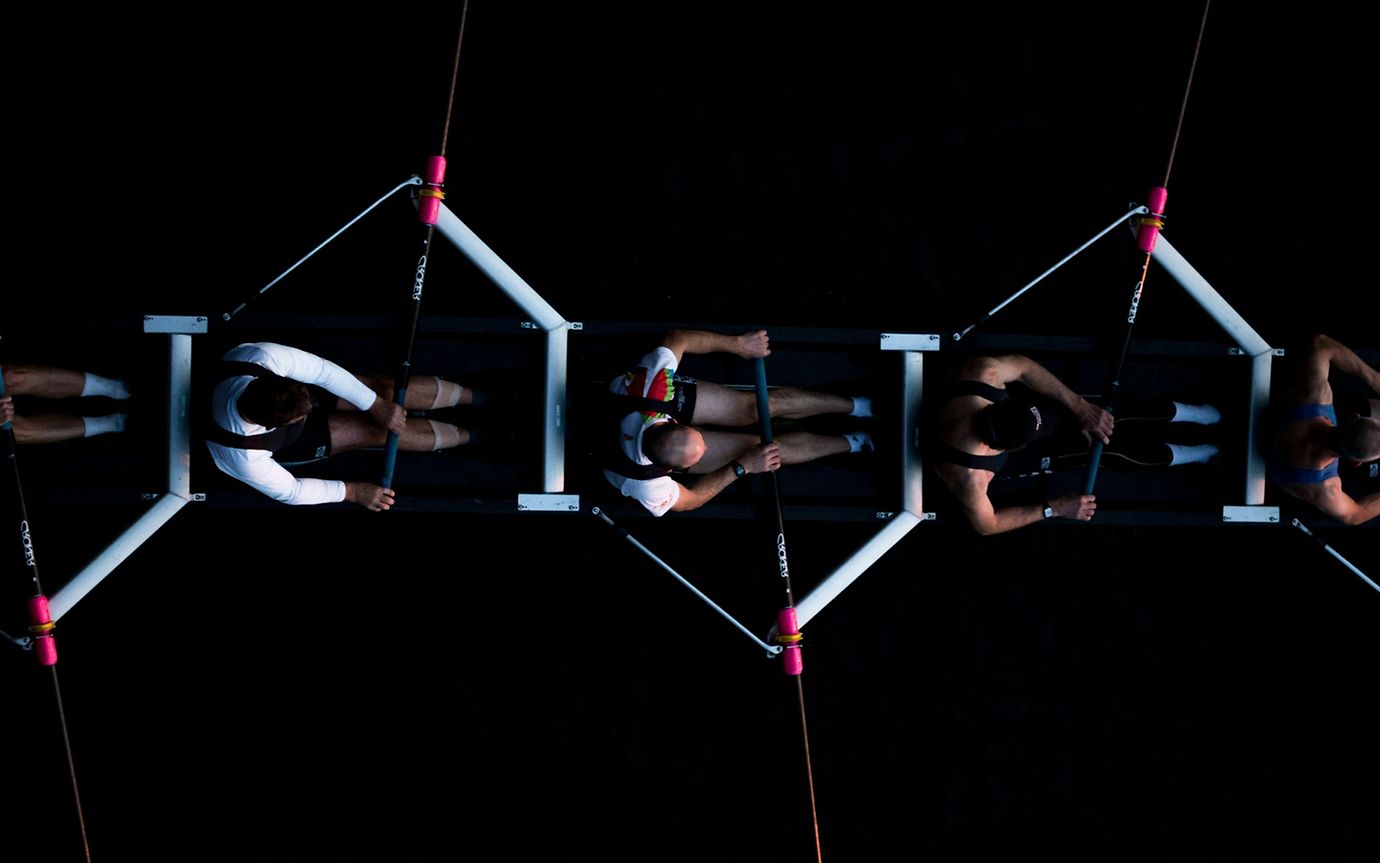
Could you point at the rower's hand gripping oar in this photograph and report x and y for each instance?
(787, 629)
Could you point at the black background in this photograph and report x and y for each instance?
(327, 683)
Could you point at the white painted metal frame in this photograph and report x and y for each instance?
(898, 524)
(179, 493)
(557, 354)
(1252, 345)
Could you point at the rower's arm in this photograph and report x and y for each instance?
(1330, 498)
(1326, 354)
(750, 345)
(1091, 418)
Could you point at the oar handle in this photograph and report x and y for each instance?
(390, 458)
(1092, 468)
(763, 403)
(390, 447)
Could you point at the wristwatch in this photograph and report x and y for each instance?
(1049, 511)
(738, 470)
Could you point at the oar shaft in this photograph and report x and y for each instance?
(403, 377)
(25, 537)
(763, 401)
(1114, 381)
(40, 619)
(764, 418)
(1095, 458)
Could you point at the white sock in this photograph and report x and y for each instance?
(447, 435)
(95, 385)
(1203, 414)
(447, 394)
(862, 407)
(1191, 454)
(859, 441)
(101, 425)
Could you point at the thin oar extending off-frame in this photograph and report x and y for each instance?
(40, 621)
(787, 629)
(1147, 232)
(428, 213)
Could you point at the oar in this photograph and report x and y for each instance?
(788, 632)
(428, 213)
(40, 620)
